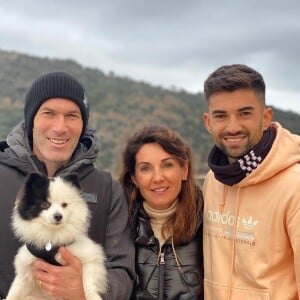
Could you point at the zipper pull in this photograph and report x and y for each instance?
(162, 259)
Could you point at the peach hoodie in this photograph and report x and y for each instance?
(262, 212)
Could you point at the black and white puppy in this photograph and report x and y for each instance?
(50, 213)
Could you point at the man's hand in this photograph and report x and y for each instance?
(61, 281)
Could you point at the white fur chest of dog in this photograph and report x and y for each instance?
(50, 213)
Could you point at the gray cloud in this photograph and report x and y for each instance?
(168, 43)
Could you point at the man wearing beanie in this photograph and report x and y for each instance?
(54, 139)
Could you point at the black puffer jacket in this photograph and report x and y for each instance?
(158, 274)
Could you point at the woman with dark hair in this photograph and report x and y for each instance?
(165, 209)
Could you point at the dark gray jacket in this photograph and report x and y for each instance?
(158, 274)
(109, 223)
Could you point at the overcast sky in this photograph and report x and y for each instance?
(171, 43)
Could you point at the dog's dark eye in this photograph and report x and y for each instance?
(64, 205)
(45, 205)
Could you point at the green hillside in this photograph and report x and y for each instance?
(119, 106)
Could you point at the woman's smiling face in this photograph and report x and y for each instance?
(158, 175)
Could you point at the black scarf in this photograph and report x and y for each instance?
(231, 174)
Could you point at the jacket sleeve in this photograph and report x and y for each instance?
(119, 248)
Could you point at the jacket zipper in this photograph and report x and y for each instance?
(161, 276)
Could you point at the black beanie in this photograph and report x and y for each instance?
(54, 85)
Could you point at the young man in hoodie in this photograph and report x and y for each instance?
(251, 193)
(54, 139)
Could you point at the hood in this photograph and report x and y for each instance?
(15, 151)
(284, 153)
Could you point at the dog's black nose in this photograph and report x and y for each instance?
(57, 217)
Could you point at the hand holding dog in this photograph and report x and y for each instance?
(61, 281)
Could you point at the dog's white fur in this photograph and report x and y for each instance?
(71, 231)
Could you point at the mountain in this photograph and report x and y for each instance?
(118, 106)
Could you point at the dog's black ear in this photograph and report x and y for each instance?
(36, 187)
(35, 179)
(74, 179)
(32, 195)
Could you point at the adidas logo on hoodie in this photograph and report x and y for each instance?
(229, 219)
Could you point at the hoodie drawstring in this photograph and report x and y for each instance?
(233, 245)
